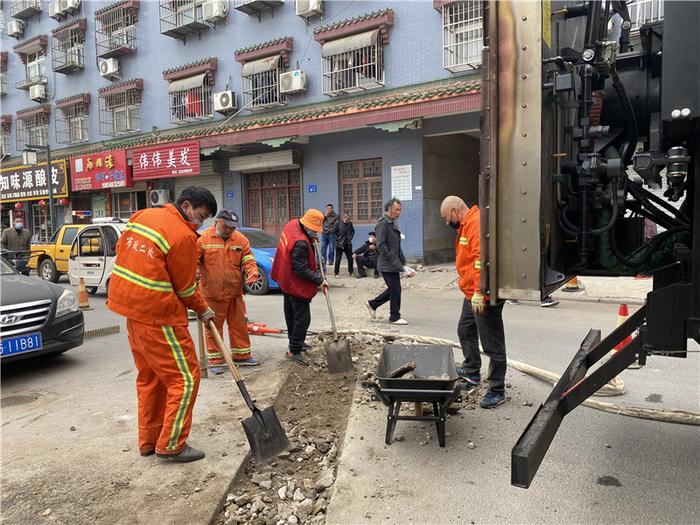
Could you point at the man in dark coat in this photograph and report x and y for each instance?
(18, 241)
(344, 233)
(366, 257)
(330, 220)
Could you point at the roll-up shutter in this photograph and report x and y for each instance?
(209, 178)
(350, 43)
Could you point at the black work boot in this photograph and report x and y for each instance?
(186, 455)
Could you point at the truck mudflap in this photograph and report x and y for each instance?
(574, 388)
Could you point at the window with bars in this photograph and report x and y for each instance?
(190, 99)
(352, 64)
(178, 18)
(645, 11)
(120, 113)
(5, 144)
(72, 124)
(115, 31)
(462, 35)
(361, 189)
(32, 129)
(68, 50)
(34, 69)
(3, 83)
(260, 81)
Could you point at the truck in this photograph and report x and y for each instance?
(612, 104)
(50, 259)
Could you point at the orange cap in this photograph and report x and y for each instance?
(313, 220)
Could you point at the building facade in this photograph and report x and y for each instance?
(282, 106)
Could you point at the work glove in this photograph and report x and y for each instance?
(478, 304)
(206, 316)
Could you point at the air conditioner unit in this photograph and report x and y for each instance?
(225, 102)
(213, 10)
(15, 28)
(292, 81)
(55, 10)
(71, 5)
(37, 92)
(160, 197)
(109, 67)
(308, 8)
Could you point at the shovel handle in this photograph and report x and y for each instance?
(203, 357)
(224, 352)
(325, 291)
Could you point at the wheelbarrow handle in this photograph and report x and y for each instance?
(325, 291)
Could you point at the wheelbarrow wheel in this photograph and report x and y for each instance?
(440, 423)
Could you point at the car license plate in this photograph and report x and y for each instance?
(20, 344)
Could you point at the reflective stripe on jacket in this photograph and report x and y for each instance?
(223, 264)
(154, 277)
(282, 271)
(467, 251)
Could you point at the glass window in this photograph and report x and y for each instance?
(462, 35)
(259, 238)
(361, 189)
(90, 242)
(69, 236)
(111, 239)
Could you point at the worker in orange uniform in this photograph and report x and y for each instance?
(479, 321)
(225, 263)
(153, 284)
(296, 270)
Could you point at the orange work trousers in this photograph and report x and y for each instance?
(166, 385)
(232, 312)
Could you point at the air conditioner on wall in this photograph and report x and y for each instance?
(293, 81)
(225, 102)
(71, 5)
(55, 9)
(160, 197)
(109, 67)
(15, 28)
(37, 92)
(213, 10)
(308, 8)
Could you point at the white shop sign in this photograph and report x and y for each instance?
(401, 182)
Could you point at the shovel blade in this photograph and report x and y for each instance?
(339, 356)
(265, 434)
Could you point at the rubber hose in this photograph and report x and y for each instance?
(630, 117)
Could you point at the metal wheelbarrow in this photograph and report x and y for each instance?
(434, 381)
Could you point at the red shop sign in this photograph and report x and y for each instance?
(169, 160)
(108, 169)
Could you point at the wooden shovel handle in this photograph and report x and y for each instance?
(224, 352)
(203, 357)
(325, 291)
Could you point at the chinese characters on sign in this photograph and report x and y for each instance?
(108, 169)
(401, 177)
(170, 160)
(23, 183)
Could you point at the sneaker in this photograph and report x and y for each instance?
(513, 301)
(217, 370)
(358, 276)
(472, 379)
(251, 361)
(372, 311)
(186, 455)
(492, 399)
(336, 274)
(400, 320)
(547, 302)
(146, 453)
(376, 275)
(298, 358)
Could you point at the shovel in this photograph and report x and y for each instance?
(263, 429)
(338, 353)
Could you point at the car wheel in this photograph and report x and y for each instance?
(48, 271)
(92, 290)
(259, 287)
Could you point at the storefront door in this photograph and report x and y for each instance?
(273, 198)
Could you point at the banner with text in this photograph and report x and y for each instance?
(27, 183)
(100, 171)
(166, 160)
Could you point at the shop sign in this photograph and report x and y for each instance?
(108, 169)
(30, 183)
(163, 161)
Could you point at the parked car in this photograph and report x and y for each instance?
(36, 317)
(93, 252)
(50, 260)
(264, 246)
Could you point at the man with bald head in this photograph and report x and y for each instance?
(478, 321)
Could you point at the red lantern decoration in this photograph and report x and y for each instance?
(19, 206)
(64, 202)
(42, 203)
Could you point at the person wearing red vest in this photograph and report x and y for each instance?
(153, 284)
(296, 271)
(479, 320)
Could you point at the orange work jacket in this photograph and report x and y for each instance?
(467, 251)
(154, 276)
(224, 264)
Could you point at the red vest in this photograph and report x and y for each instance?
(282, 271)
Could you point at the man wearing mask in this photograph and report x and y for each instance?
(296, 271)
(366, 257)
(330, 221)
(18, 239)
(344, 233)
(153, 284)
(390, 263)
(225, 263)
(479, 321)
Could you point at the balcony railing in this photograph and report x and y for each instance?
(68, 59)
(24, 9)
(28, 82)
(180, 18)
(256, 7)
(3, 84)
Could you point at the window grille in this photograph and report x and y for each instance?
(33, 130)
(120, 113)
(361, 189)
(348, 68)
(462, 35)
(190, 99)
(115, 32)
(24, 9)
(645, 11)
(4, 144)
(3, 83)
(178, 18)
(72, 124)
(35, 70)
(260, 81)
(68, 50)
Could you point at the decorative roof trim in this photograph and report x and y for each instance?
(73, 100)
(34, 110)
(135, 84)
(80, 23)
(439, 4)
(282, 46)
(208, 66)
(122, 4)
(25, 47)
(375, 20)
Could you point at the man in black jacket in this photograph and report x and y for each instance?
(366, 257)
(18, 242)
(344, 233)
(330, 221)
(390, 263)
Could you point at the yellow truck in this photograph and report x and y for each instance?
(50, 259)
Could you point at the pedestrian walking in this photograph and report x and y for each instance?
(225, 264)
(17, 240)
(366, 257)
(390, 262)
(479, 321)
(344, 234)
(296, 271)
(153, 284)
(330, 220)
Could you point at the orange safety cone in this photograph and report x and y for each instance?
(83, 302)
(572, 285)
(262, 329)
(622, 315)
